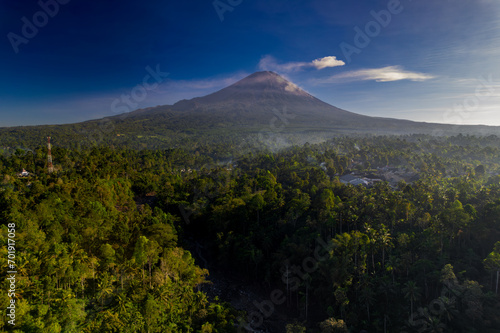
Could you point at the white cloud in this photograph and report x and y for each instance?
(384, 74)
(269, 63)
(327, 62)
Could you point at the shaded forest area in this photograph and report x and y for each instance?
(102, 242)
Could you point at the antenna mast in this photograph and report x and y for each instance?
(50, 167)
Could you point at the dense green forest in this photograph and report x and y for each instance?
(102, 244)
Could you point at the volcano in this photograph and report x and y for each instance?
(258, 100)
(261, 101)
(265, 99)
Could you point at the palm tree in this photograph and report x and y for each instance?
(105, 285)
(448, 308)
(412, 293)
(434, 324)
(372, 236)
(385, 241)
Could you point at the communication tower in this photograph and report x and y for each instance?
(50, 167)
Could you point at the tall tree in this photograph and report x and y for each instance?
(412, 293)
(492, 263)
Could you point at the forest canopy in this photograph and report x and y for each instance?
(383, 234)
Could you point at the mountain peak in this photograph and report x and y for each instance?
(263, 74)
(267, 81)
(262, 87)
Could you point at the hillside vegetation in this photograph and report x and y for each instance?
(102, 243)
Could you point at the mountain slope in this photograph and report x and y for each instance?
(267, 99)
(255, 101)
(261, 102)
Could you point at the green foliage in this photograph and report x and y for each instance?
(295, 328)
(92, 258)
(102, 243)
(332, 325)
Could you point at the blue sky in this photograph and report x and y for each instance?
(66, 61)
